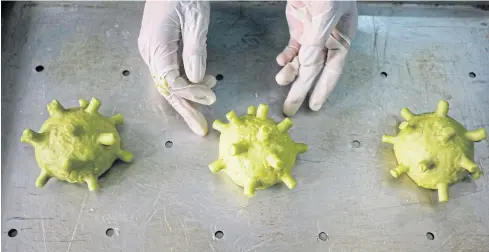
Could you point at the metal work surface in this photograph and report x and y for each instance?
(168, 200)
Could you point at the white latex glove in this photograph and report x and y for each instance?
(320, 37)
(164, 27)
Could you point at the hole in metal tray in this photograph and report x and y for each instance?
(109, 232)
(323, 236)
(219, 234)
(12, 233)
(355, 144)
(39, 68)
(430, 236)
(168, 144)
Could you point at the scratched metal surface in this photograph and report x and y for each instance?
(168, 200)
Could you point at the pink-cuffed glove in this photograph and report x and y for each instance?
(164, 27)
(320, 36)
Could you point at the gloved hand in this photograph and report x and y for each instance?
(320, 37)
(164, 27)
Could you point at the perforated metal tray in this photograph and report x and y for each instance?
(168, 200)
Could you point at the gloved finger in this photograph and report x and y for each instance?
(288, 54)
(305, 79)
(158, 43)
(177, 94)
(178, 85)
(194, 119)
(194, 36)
(325, 15)
(197, 93)
(288, 73)
(328, 79)
(338, 45)
(208, 80)
(295, 14)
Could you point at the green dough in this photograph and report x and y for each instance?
(255, 152)
(434, 150)
(76, 144)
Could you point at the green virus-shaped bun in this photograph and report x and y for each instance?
(434, 150)
(76, 144)
(254, 151)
